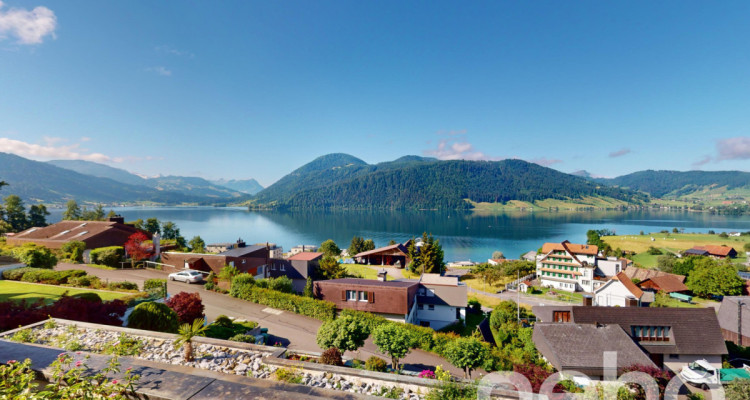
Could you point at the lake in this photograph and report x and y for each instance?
(463, 235)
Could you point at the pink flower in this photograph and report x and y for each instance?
(11, 362)
(114, 381)
(78, 352)
(129, 368)
(78, 363)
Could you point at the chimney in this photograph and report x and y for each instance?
(588, 300)
(382, 275)
(240, 243)
(631, 302)
(117, 218)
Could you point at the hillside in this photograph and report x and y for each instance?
(247, 186)
(421, 183)
(36, 181)
(677, 184)
(99, 170)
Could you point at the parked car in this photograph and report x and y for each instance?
(189, 276)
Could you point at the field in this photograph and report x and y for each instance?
(478, 283)
(586, 202)
(12, 290)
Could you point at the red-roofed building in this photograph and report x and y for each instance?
(298, 268)
(618, 291)
(396, 254)
(94, 233)
(568, 266)
(714, 251)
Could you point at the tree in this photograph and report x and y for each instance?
(427, 258)
(308, 292)
(111, 214)
(73, 250)
(344, 333)
(38, 215)
(72, 211)
(356, 245)
(152, 226)
(329, 268)
(712, 278)
(188, 306)
(35, 256)
(666, 262)
(498, 255)
(394, 340)
(368, 245)
(170, 230)
(135, 248)
(97, 214)
(137, 224)
(391, 242)
(330, 248)
(197, 245)
(467, 353)
(15, 213)
(185, 336)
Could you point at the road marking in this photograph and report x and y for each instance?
(272, 311)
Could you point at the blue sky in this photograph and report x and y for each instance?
(255, 89)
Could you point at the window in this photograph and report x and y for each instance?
(362, 296)
(674, 356)
(351, 295)
(430, 292)
(651, 333)
(561, 316)
(282, 268)
(431, 307)
(420, 306)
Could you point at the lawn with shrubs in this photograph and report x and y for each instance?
(15, 291)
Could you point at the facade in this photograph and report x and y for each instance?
(672, 337)
(433, 301)
(734, 319)
(222, 247)
(94, 233)
(302, 248)
(396, 254)
(618, 292)
(297, 268)
(253, 260)
(568, 266)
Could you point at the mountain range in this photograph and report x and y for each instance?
(347, 182)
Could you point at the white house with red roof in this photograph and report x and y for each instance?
(572, 267)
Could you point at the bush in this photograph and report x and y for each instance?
(122, 285)
(243, 280)
(223, 320)
(153, 317)
(319, 309)
(88, 296)
(109, 256)
(16, 274)
(188, 306)
(155, 287)
(35, 256)
(50, 277)
(73, 251)
(85, 281)
(82, 309)
(475, 307)
(242, 338)
(210, 285)
(281, 284)
(654, 251)
(375, 363)
(331, 356)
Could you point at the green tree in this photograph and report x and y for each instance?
(35, 256)
(666, 262)
(712, 278)
(356, 245)
(72, 211)
(746, 247)
(308, 292)
(73, 250)
(97, 214)
(152, 225)
(15, 213)
(504, 321)
(330, 248)
(344, 333)
(329, 268)
(368, 245)
(111, 214)
(394, 340)
(467, 353)
(391, 242)
(185, 335)
(197, 245)
(427, 258)
(38, 215)
(498, 255)
(138, 224)
(170, 230)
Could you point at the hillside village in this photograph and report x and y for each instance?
(413, 314)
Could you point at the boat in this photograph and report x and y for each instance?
(702, 374)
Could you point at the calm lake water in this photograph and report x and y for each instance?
(464, 235)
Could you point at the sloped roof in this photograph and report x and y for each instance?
(632, 288)
(666, 283)
(728, 314)
(642, 274)
(306, 256)
(715, 250)
(581, 347)
(65, 231)
(398, 246)
(370, 282)
(572, 247)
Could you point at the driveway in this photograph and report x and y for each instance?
(293, 331)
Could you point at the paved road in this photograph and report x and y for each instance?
(291, 330)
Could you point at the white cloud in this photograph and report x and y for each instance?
(451, 149)
(737, 148)
(28, 27)
(160, 70)
(50, 151)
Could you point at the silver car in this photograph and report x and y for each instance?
(189, 276)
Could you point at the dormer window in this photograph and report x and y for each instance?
(651, 333)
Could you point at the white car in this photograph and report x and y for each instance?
(189, 276)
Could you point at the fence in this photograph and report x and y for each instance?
(513, 286)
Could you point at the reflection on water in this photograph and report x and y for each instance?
(464, 235)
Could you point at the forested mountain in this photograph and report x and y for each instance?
(421, 183)
(99, 170)
(677, 183)
(247, 186)
(36, 181)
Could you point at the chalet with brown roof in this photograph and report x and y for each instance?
(664, 283)
(713, 251)
(620, 291)
(94, 233)
(298, 268)
(672, 337)
(248, 259)
(396, 254)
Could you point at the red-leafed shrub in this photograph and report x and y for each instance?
(331, 356)
(535, 374)
(662, 379)
(86, 310)
(188, 306)
(13, 315)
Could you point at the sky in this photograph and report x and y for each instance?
(258, 88)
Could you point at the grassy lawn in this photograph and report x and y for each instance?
(546, 204)
(486, 301)
(675, 241)
(364, 271)
(12, 290)
(471, 324)
(571, 297)
(100, 267)
(409, 275)
(478, 283)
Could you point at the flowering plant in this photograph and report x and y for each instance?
(427, 373)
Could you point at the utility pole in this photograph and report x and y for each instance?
(518, 295)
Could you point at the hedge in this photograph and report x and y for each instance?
(319, 309)
(155, 287)
(109, 256)
(42, 275)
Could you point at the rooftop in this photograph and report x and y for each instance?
(306, 256)
(242, 251)
(371, 282)
(574, 248)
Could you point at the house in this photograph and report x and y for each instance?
(395, 254)
(672, 337)
(253, 260)
(222, 247)
(665, 283)
(302, 248)
(619, 291)
(583, 348)
(297, 268)
(568, 266)
(642, 274)
(434, 301)
(529, 256)
(734, 319)
(441, 301)
(713, 251)
(524, 286)
(113, 232)
(610, 266)
(498, 261)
